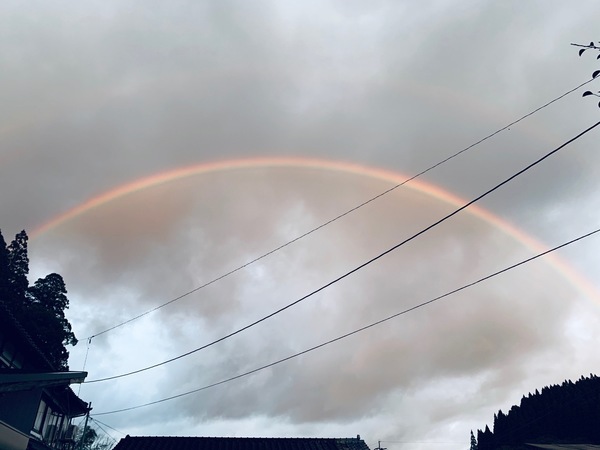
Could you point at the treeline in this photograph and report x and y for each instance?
(565, 413)
(39, 308)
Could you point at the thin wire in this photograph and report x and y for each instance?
(371, 325)
(106, 433)
(106, 425)
(87, 351)
(339, 216)
(361, 266)
(80, 422)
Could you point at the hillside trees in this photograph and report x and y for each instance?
(40, 308)
(564, 413)
(473, 442)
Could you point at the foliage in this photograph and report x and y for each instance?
(596, 73)
(473, 442)
(91, 440)
(85, 438)
(46, 301)
(564, 413)
(39, 308)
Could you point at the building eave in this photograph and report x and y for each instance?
(15, 380)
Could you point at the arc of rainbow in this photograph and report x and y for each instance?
(581, 283)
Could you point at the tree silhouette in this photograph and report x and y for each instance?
(39, 308)
(91, 440)
(46, 302)
(473, 442)
(18, 264)
(564, 413)
(596, 73)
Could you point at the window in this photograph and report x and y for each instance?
(8, 353)
(9, 357)
(39, 418)
(18, 361)
(51, 427)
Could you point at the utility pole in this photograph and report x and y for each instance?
(379, 446)
(87, 416)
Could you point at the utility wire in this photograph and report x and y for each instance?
(231, 272)
(87, 352)
(106, 433)
(339, 338)
(361, 266)
(106, 425)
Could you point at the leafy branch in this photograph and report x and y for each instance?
(596, 73)
(591, 46)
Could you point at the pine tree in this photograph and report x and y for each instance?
(4, 271)
(18, 265)
(566, 412)
(47, 303)
(473, 442)
(39, 308)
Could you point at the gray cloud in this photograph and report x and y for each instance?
(97, 96)
(498, 331)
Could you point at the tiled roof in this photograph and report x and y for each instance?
(235, 443)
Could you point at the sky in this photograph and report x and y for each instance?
(287, 115)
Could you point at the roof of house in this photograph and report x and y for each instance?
(238, 443)
(21, 380)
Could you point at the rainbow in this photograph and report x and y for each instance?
(582, 284)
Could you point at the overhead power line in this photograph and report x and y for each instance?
(359, 267)
(99, 423)
(231, 272)
(371, 325)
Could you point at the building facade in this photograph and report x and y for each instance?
(37, 405)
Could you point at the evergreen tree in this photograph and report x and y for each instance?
(18, 265)
(569, 412)
(39, 308)
(473, 442)
(4, 271)
(47, 303)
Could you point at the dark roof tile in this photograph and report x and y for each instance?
(237, 443)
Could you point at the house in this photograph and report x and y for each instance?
(237, 443)
(36, 403)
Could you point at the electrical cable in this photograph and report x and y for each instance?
(107, 426)
(87, 352)
(231, 272)
(106, 433)
(371, 325)
(359, 267)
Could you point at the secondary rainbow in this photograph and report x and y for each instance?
(583, 285)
